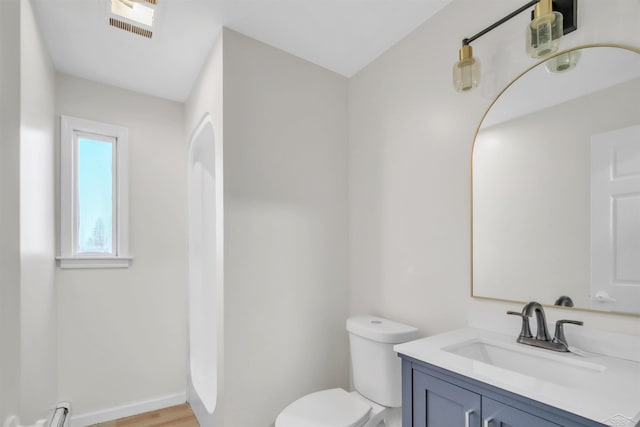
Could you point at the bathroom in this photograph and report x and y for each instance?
(342, 196)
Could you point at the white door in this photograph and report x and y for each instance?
(615, 220)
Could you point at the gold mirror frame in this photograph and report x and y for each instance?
(475, 136)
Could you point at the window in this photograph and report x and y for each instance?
(94, 195)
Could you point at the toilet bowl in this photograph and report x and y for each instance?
(376, 371)
(334, 407)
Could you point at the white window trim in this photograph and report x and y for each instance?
(68, 256)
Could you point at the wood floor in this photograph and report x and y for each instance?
(176, 416)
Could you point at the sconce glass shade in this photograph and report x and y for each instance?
(466, 72)
(545, 31)
(564, 62)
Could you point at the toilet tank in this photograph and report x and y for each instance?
(375, 366)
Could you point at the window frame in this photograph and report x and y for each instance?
(72, 129)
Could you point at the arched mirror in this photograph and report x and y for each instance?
(556, 185)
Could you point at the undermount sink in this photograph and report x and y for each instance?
(562, 368)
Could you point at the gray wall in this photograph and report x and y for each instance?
(9, 208)
(285, 139)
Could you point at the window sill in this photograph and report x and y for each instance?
(94, 262)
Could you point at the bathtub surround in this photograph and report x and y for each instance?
(205, 263)
(207, 97)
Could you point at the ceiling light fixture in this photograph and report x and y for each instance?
(549, 21)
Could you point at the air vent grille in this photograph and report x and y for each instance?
(151, 1)
(132, 28)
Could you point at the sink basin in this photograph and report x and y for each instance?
(595, 386)
(560, 368)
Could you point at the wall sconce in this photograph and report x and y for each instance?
(466, 72)
(550, 20)
(563, 62)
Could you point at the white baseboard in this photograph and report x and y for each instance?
(109, 414)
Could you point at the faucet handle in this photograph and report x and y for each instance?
(573, 322)
(526, 329)
(559, 335)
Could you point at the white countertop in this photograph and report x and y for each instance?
(613, 391)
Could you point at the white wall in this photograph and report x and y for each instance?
(285, 196)
(9, 208)
(37, 239)
(27, 324)
(122, 332)
(410, 146)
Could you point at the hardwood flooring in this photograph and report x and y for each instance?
(176, 416)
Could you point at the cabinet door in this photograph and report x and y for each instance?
(437, 403)
(496, 414)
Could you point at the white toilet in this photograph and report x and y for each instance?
(376, 371)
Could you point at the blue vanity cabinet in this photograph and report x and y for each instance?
(496, 414)
(435, 397)
(444, 404)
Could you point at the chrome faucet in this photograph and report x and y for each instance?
(559, 341)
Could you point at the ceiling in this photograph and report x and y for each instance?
(340, 35)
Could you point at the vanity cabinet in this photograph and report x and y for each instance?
(435, 397)
(495, 413)
(446, 404)
(439, 403)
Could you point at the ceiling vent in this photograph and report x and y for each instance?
(134, 16)
(131, 28)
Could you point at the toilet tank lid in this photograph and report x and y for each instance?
(381, 330)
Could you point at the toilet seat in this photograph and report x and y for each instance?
(327, 408)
